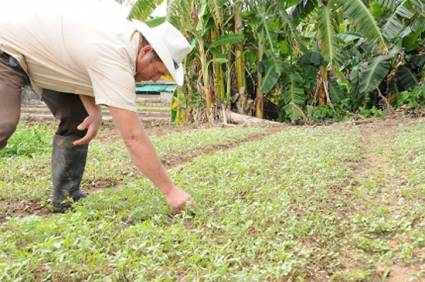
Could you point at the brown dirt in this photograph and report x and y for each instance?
(109, 133)
(401, 273)
(22, 208)
(98, 184)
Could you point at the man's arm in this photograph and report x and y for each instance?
(90, 123)
(143, 154)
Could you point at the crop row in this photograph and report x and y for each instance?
(269, 209)
(25, 165)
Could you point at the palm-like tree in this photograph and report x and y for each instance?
(309, 52)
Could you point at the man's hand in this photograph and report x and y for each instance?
(91, 124)
(177, 199)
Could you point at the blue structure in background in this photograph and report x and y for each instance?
(155, 88)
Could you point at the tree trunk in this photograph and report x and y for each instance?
(218, 74)
(240, 62)
(249, 120)
(259, 99)
(320, 82)
(206, 88)
(189, 105)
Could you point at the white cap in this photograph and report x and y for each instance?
(170, 45)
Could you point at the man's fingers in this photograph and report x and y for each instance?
(84, 124)
(80, 141)
(91, 133)
(91, 126)
(86, 139)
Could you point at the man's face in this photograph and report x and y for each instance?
(148, 66)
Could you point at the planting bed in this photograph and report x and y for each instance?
(339, 202)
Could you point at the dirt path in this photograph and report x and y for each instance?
(110, 134)
(174, 160)
(379, 174)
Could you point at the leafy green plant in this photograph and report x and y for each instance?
(28, 141)
(17, 181)
(413, 99)
(372, 112)
(318, 114)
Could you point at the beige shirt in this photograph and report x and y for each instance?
(73, 47)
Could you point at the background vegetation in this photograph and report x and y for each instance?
(298, 60)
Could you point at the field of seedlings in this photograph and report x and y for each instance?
(342, 202)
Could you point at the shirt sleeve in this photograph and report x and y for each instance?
(113, 83)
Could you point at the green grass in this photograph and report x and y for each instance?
(293, 206)
(28, 178)
(201, 139)
(387, 223)
(247, 228)
(410, 165)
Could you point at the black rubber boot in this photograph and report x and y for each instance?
(68, 163)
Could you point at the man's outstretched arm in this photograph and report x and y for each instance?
(143, 154)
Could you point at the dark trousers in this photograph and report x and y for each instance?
(66, 107)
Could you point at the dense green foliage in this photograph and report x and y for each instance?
(289, 59)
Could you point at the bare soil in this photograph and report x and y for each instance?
(109, 133)
(22, 208)
(173, 160)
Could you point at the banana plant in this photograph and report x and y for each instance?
(184, 15)
(268, 22)
(220, 52)
(294, 97)
(404, 19)
(239, 44)
(206, 24)
(369, 75)
(242, 102)
(141, 9)
(330, 50)
(194, 24)
(363, 20)
(328, 28)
